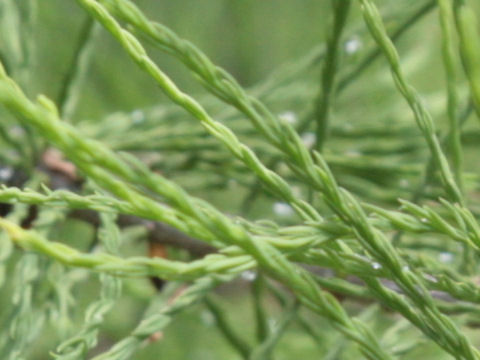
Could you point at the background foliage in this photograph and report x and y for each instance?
(321, 172)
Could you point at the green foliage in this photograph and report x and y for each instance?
(362, 148)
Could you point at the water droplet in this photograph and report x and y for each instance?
(282, 209)
(352, 46)
(137, 116)
(406, 268)
(376, 266)
(309, 139)
(353, 153)
(207, 318)
(249, 275)
(5, 173)
(445, 257)
(424, 220)
(98, 317)
(16, 131)
(272, 324)
(289, 117)
(430, 278)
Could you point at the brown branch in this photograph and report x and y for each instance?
(157, 232)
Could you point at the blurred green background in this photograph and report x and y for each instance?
(250, 39)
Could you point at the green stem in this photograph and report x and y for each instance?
(332, 59)
(467, 29)
(224, 326)
(260, 315)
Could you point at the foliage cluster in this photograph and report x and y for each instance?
(371, 250)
